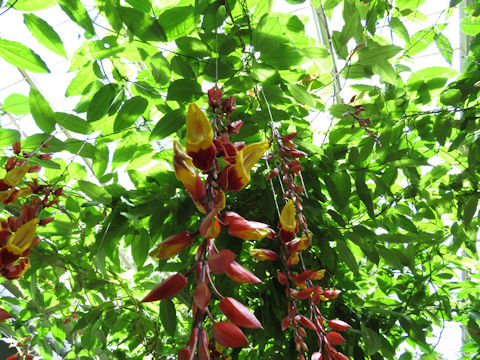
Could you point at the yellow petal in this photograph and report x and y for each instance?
(16, 175)
(199, 130)
(252, 153)
(21, 239)
(287, 217)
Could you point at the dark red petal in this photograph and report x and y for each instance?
(167, 288)
(335, 338)
(201, 295)
(184, 354)
(238, 273)
(338, 325)
(4, 315)
(307, 323)
(238, 313)
(228, 334)
(220, 262)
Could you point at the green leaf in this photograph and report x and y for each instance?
(364, 192)
(347, 256)
(8, 137)
(375, 54)
(33, 5)
(131, 110)
(73, 123)
(386, 71)
(95, 192)
(79, 147)
(101, 102)
(44, 33)
(142, 5)
(301, 94)
(409, 163)
(41, 111)
(184, 90)
(193, 47)
(399, 29)
(140, 248)
(168, 316)
(21, 56)
(160, 68)
(83, 81)
(471, 25)
(16, 104)
(168, 124)
(110, 10)
(469, 209)
(371, 339)
(178, 21)
(77, 12)
(101, 49)
(339, 187)
(275, 48)
(445, 47)
(141, 25)
(451, 97)
(419, 41)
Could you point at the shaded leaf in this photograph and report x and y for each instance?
(168, 316)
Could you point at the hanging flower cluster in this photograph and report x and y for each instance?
(17, 233)
(364, 123)
(209, 165)
(300, 285)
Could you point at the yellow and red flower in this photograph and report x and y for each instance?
(14, 176)
(244, 229)
(199, 142)
(288, 223)
(235, 176)
(186, 173)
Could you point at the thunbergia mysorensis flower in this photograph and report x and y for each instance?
(199, 142)
(17, 234)
(288, 222)
(204, 148)
(186, 172)
(235, 176)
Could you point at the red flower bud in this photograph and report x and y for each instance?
(338, 325)
(228, 334)
(201, 296)
(335, 338)
(238, 273)
(210, 227)
(238, 313)
(331, 294)
(307, 323)
(272, 174)
(285, 323)
(17, 148)
(234, 127)
(4, 315)
(172, 245)
(282, 279)
(184, 354)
